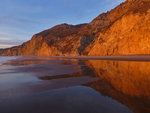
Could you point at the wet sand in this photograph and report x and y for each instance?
(118, 58)
(74, 85)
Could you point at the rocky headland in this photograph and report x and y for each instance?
(124, 30)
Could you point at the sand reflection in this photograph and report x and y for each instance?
(127, 82)
(124, 81)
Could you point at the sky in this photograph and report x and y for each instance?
(21, 19)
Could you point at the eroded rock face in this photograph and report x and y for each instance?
(124, 30)
(128, 35)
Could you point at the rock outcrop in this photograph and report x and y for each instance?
(129, 34)
(124, 30)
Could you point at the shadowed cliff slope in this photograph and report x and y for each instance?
(124, 30)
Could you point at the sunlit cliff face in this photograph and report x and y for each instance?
(127, 82)
(125, 30)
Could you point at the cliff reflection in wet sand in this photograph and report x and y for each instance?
(74, 86)
(127, 82)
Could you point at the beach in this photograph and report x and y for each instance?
(75, 84)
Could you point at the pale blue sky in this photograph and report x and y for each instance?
(20, 19)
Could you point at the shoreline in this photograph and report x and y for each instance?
(113, 58)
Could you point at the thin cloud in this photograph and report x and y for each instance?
(16, 20)
(3, 46)
(7, 42)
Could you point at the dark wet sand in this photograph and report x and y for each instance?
(119, 58)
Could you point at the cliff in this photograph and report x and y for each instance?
(124, 30)
(129, 34)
